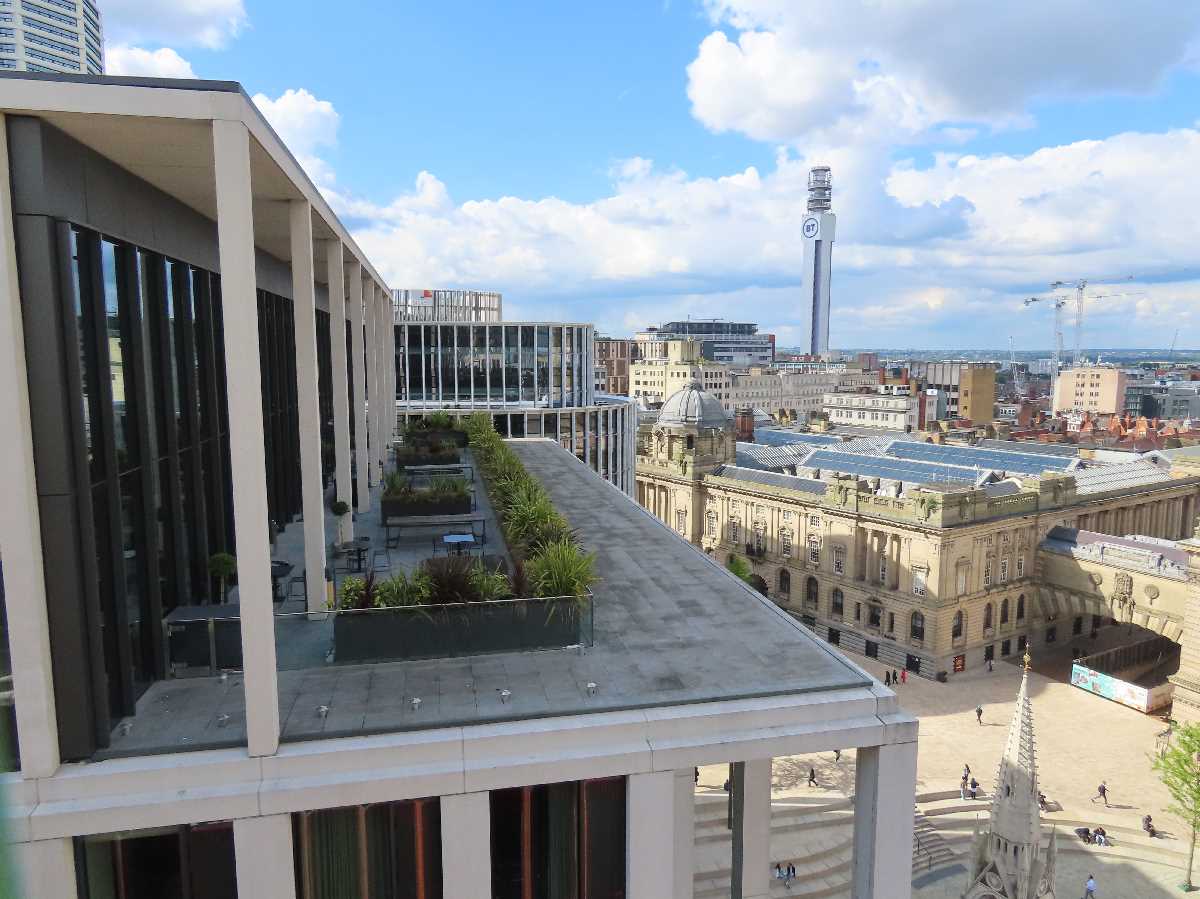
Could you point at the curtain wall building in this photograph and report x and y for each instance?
(192, 346)
(52, 36)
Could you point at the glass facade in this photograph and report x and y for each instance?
(470, 364)
(391, 849)
(188, 862)
(559, 841)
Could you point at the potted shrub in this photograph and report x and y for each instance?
(443, 496)
(222, 566)
(341, 510)
(437, 427)
(364, 630)
(434, 452)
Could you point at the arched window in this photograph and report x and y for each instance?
(916, 626)
(987, 616)
(1021, 607)
(681, 520)
(811, 592)
(1004, 611)
(785, 582)
(710, 524)
(837, 601)
(691, 442)
(785, 542)
(960, 621)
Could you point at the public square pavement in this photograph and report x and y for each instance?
(1081, 740)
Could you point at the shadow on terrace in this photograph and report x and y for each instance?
(426, 594)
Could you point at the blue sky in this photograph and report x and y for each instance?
(628, 162)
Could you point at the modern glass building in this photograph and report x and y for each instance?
(536, 378)
(51, 36)
(447, 305)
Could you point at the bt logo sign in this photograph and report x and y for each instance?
(811, 227)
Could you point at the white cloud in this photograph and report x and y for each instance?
(201, 23)
(164, 62)
(307, 126)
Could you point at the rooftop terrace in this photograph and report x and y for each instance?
(671, 627)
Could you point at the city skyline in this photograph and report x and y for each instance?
(661, 170)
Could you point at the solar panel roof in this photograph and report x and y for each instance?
(1031, 446)
(785, 438)
(772, 479)
(973, 457)
(908, 471)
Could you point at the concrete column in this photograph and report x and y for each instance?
(359, 362)
(685, 833)
(885, 780)
(466, 846)
(341, 398)
(312, 484)
(751, 868)
(894, 562)
(235, 235)
(265, 865)
(370, 320)
(650, 836)
(46, 868)
(20, 521)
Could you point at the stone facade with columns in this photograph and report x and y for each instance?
(939, 579)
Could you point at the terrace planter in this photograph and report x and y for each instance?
(460, 629)
(401, 508)
(458, 438)
(421, 455)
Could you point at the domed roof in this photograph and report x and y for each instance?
(690, 406)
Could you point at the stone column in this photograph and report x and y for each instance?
(751, 796)
(894, 562)
(685, 833)
(312, 484)
(466, 846)
(341, 389)
(265, 865)
(372, 382)
(650, 841)
(46, 867)
(20, 523)
(235, 236)
(885, 781)
(354, 299)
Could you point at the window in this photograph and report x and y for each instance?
(961, 575)
(874, 615)
(1004, 611)
(987, 574)
(956, 629)
(710, 524)
(835, 637)
(681, 521)
(883, 569)
(836, 603)
(814, 521)
(814, 550)
(839, 560)
(1077, 625)
(1021, 607)
(1022, 642)
(858, 611)
(1006, 647)
(1004, 571)
(760, 538)
(989, 652)
(871, 650)
(916, 626)
(785, 542)
(1051, 633)
(891, 619)
(918, 582)
(1020, 566)
(811, 592)
(196, 861)
(735, 530)
(785, 582)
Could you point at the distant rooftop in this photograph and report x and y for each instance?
(1163, 558)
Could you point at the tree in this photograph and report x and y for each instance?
(1179, 769)
(738, 566)
(222, 566)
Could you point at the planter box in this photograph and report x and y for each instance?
(461, 629)
(395, 508)
(424, 438)
(419, 455)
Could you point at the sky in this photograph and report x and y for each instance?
(628, 163)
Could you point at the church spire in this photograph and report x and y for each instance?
(1008, 861)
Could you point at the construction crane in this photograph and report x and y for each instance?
(1079, 286)
(1059, 303)
(1018, 381)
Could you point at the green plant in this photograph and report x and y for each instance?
(352, 595)
(561, 568)
(450, 578)
(446, 488)
(489, 585)
(396, 486)
(403, 590)
(339, 508)
(740, 567)
(1179, 769)
(222, 566)
(439, 421)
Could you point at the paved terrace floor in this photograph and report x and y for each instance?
(671, 627)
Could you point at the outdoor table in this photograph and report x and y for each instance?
(358, 548)
(458, 542)
(394, 526)
(279, 570)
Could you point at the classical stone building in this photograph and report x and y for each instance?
(931, 577)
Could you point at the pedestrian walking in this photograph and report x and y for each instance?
(974, 787)
(1089, 888)
(778, 871)
(1102, 793)
(812, 777)
(895, 677)
(979, 714)
(966, 771)
(989, 664)
(887, 678)
(837, 755)
(962, 788)
(791, 875)
(904, 675)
